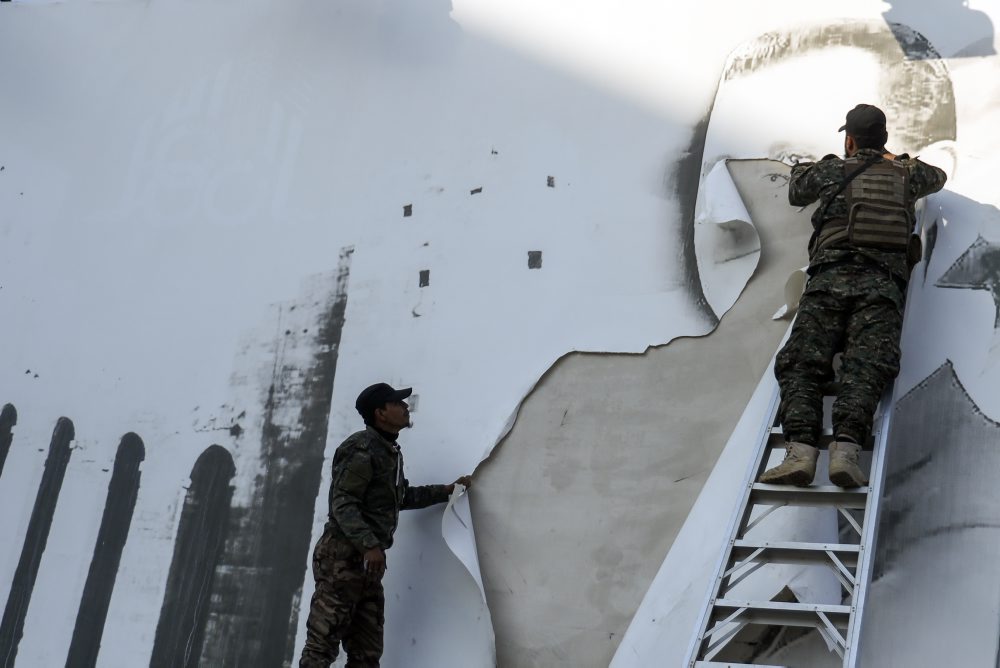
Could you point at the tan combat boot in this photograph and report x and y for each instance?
(844, 469)
(798, 468)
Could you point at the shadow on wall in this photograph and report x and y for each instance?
(397, 32)
(955, 29)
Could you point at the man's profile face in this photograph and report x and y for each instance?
(395, 414)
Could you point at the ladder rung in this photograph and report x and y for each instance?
(782, 614)
(725, 613)
(817, 495)
(776, 440)
(796, 553)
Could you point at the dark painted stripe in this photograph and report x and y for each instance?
(8, 418)
(200, 537)
(255, 602)
(118, 508)
(12, 627)
(686, 178)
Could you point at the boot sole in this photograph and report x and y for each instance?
(797, 478)
(846, 480)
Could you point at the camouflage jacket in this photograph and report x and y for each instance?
(369, 489)
(811, 181)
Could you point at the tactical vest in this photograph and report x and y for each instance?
(878, 215)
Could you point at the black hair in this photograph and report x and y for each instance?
(368, 415)
(871, 141)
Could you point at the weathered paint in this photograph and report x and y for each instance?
(253, 612)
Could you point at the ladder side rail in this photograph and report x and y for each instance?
(866, 559)
(744, 525)
(736, 521)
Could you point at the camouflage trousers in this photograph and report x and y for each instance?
(853, 309)
(346, 608)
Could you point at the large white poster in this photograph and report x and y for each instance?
(219, 222)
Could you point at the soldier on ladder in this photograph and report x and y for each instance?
(860, 255)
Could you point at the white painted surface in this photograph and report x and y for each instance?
(663, 625)
(185, 167)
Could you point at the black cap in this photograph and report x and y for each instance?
(864, 120)
(378, 395)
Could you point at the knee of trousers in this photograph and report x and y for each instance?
(869, 377)
(329, 616)
(885, 370)
(802, 360)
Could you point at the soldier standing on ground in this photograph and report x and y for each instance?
(860, 257)
(366, 494)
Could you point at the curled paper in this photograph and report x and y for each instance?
(727, 245)
(457, 522)
(456, 527)
(794, 286)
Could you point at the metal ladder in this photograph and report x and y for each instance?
(722, 618)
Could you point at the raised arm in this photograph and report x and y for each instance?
(925, 179)
(422, 496)
(428, 495)
(807, 181)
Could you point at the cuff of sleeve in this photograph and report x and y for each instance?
(369, 542)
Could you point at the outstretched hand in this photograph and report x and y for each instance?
(465, 481)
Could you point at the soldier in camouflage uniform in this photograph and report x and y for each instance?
(860, 257)
(366, 494)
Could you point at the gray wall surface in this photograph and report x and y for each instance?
(576, 508)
